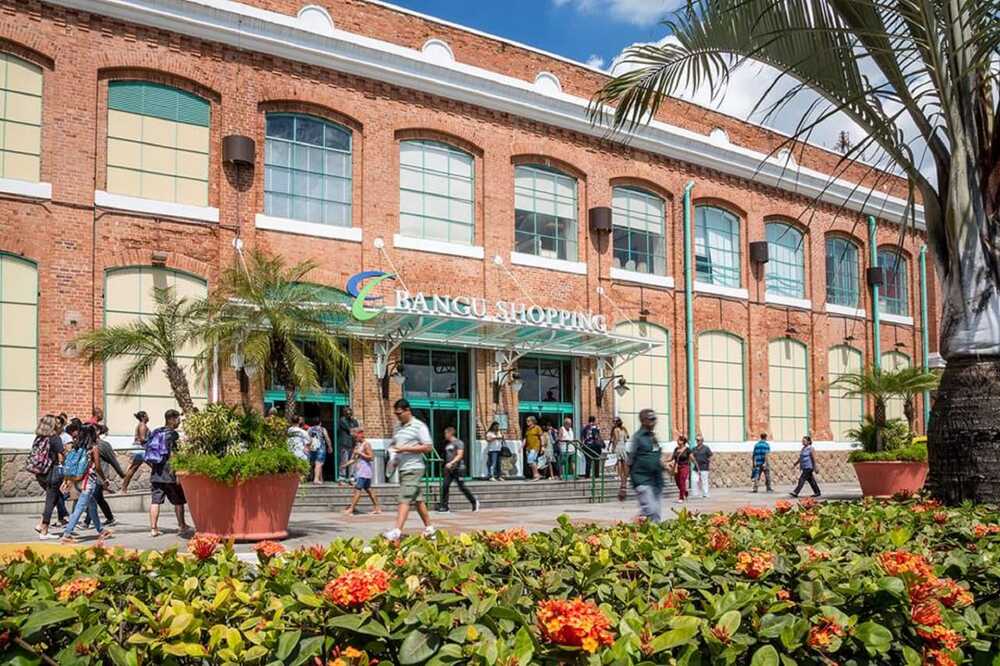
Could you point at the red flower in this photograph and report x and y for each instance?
(923, 591)
(4, 583)
(938, 658)
(903, 563)
(815, 555)
(924, 507)
(782, 506)
(755, 563)
(940, 636)
(76, 588)
(755, 512)
(399, 561)
(574, 623)
(203, 546)
(594, 540)
(821, 636)
(783, 595)
(719, 519)
(940, 517)
(719, 541)
(981, 530)
(672, 600)
(954, 596)
(927, 613)
(506, 537)
(356, 587)
(268, 549)
(722, 635)
(807, 503)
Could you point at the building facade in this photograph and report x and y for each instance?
(529, 249)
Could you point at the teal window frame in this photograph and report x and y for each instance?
(837, 394)
(565, 384)
(894, 294)
(423, 186)
(786, 262)
(537, 231)
(639, 220)
(784, 392)
(717, 263)
(702, 385)
(7, 124)
(842, 272)
(6, 256)
(308, 178)
(157, 100)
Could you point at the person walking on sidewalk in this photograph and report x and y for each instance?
(454, 468)
(681, 463)
(109, 463)
(646, 467)
(91, 478)
(47, 457)
(345, 441)
(702, 458)
(163, 481)
(362, 460)
(410, 442)
(138, 442)
(761, 465)
(807, 466)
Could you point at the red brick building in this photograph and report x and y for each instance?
(466, 166)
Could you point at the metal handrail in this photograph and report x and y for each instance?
(431, 457)
(596, 463)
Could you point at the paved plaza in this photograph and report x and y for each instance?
(132, 530)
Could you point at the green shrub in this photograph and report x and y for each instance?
(916, 452)
(231, 468)
(895, 435)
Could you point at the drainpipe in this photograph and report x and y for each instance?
(876, 317)
(689, 312)
(924, 337)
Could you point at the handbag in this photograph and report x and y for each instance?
(505, 451)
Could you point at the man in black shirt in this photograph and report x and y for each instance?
(453, 469)
(345, 440)
(163, 480)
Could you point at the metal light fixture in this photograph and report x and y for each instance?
(621, 388)
(394, 373)
(516, 384)
(506, 376)
(398, 377)
(604, 383)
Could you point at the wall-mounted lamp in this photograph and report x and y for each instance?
(618, 381)
(759, 252)
(396, 374)
(508, 376)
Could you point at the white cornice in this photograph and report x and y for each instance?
(242, 26)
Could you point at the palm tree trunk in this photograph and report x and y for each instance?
(909, 412)
(879, 419)
(245, 390)
(290, 402)
(179, 386)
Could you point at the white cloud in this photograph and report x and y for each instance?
(636, 12)
(595, 61)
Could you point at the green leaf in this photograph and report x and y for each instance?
(875, 637)
(686, 628)
(765, 656)
(308, 648)
(524, 646)
(911, 656)
(418, 647)
(180, 622)
(286, 643)
(46, 618)
(892, 584)
(121, 657)
(306, 596)
(900, 536)
(730, 621)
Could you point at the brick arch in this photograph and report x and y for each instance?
(848, 236)
(27, 46)
(321, 111)
(724, 204)
(644, 184)
(444, 136)
(789, 221)
(175, 261)
(525, 159)
(155, 71)
(12, 243)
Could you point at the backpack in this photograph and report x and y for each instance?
(75, 465)
(156, 446)
(39, 461)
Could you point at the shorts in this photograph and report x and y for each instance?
(138, 457)
(318, 456)
(532, 457)
(168, 491)
(362, 483)
(411, 487)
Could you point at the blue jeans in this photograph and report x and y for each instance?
(493, 465)
(87, 502)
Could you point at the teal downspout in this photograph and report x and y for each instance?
(689, 313)
(876, 317)
(924, 336)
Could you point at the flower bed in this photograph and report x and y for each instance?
(873, 582)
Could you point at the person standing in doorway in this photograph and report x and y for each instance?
(681, 463)
(454, 468)
(363, 472)
(619, 447)
(159, 448)
(594, 446)
(565, 449)
(646, 467)
(761, 465)
(702, 459)
(807, 468)
(345, 441)
(319, 448)
(494, 449)
(532, 445)
(298, 439)
(410, 442)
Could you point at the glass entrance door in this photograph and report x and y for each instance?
(438, 417)
(546, 391)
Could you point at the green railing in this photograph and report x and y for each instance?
(432, 461)
(596, 468)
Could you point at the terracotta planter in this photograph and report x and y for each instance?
(885, 479)
(249, 511)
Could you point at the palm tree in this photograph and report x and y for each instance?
(919, 77)
(911, 382)
(876, 384)
(267, 319)
(172, 327)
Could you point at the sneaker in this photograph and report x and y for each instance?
(393, 534)
(442, 509)
(818, 495)
(475, 507)
(111, 523)
(680, 501)
(430, 531)
(754, 490)
(792, 495)
(47, 536)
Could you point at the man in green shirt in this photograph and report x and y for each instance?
(646, 467)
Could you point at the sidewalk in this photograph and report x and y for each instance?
(132, 530)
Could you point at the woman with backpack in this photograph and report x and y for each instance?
(45, 462)
(138, 442)
(83, 465)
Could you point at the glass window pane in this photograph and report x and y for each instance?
(785, 273)
(842, 272)
(436, 187)
(720, 386)
(548, 198)
(894, 292)
(717, 258)
(788, 390)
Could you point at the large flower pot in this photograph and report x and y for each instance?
(249, 510)
(885, 479)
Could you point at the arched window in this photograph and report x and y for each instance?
(307, 169)
(639, 222)
(892, 361)
(721, 412)
(845, 412)
(786, 266)
(893, 295)
(20, 118)
(789, 384)
(128, 296)
(842, 272)
(18, 344)
(717, 246)
(545, 212)
(648, 379)
(436, 200)
(158, 143)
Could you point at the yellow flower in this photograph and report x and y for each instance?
(352, 653)
(589, 644)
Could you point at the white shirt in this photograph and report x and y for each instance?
(493, 442)
(566, 434)
(414, 432)
(298, 442)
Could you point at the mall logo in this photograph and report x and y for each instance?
(360, 286)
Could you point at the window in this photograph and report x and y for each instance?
(789, 398)
(786, 267)
(128, 296)
(845, 412)
(435, 373)
(158, 143)
(648, 378)
(721, 413)
(638, 231)
(716, 246)
(307, 170)
(893, 295)
(842, 272)
(892, 361)
(545, 379)
(20, 119)
(435, 192)
(18, 344)
(545, 213)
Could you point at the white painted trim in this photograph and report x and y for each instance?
(844, 311)
(777, 447)
(645, 279)
(121, 202)
(788, 301)
(935, 360)
(719, 290)
(251, 28)
(561, 265)
(26, 188)
(351, 234)
(897, 319)
(438, 247)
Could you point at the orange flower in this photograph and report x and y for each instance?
(923, 591)
(981, 530)
(814, 555)
(940, 517)
(722, 635)
(821, 636)
(783, 506)
(755, 563)
(317, 551)
(783, 595)
(268, 549)
(356, 587)
(506, 537)
(399, 561)
(4, 583)
(574, 623)
(755, 512)
(924, 507)
(808, 517)
(927, 613)
(807, 503)
(594, 540)
(903, 563)
(203, 546)
(954, 596)
(672, 600)
(940, 636)
(938, 658)
(75, 588)
(719, 540)
(719, 519)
